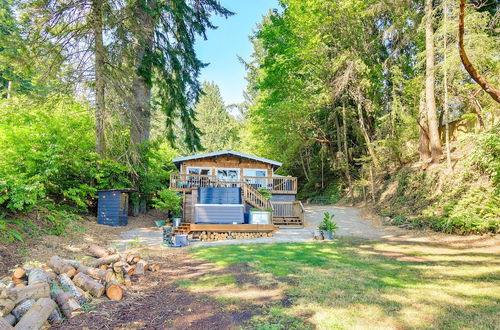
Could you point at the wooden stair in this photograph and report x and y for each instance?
(186, 228)
(254, 197)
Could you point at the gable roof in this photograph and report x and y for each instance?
(275, 164)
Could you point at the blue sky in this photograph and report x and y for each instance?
(227, 42)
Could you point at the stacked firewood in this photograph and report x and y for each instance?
(37, 297)
(207, 236)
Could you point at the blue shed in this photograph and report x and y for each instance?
(112, 207)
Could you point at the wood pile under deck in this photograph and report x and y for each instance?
(186, 228)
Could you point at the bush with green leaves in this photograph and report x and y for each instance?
(167, 200)
(328, 224)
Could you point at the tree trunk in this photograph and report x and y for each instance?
(346, 150)
(445, 86)
(425, 152)
(492, 91)
(141, 83)
(37, 315)
(432, 121)
(99, 77)
(365, 134)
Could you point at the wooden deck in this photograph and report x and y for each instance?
(276, 185)
(186, 228)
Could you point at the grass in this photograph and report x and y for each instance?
(349, 284)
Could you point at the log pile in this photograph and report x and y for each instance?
(37, 297)
(207, 236)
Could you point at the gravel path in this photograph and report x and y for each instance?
(348, 219)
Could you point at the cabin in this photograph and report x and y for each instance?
(222, 188)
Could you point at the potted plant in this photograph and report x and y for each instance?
(168, 200)
(328, 227)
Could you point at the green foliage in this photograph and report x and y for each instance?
(265, 192)
(8, 230)
(219, 130)
(328, 224)
(167, 200)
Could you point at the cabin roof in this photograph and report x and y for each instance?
(177, 161)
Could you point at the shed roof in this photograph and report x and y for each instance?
(275, 164)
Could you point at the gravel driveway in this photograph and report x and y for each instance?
(348, 219)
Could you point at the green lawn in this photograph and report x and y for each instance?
(349, 284)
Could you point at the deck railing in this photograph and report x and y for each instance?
(276, 185)
(288, 213)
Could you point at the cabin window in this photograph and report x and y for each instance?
(228, 174)
(254, 181)
(199, 170)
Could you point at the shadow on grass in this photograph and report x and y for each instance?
(342, 284)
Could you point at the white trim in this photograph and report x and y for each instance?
(254, 169)
(227, 168)
(200, 168)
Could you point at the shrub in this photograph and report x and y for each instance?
(167, 200)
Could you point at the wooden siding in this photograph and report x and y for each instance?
(226, 162)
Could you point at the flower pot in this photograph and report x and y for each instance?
(328, 235)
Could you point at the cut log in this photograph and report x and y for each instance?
(39, 290)
(88, 284)
(55, 317)
(60, 267)
(119, 277)
(99, 251)
(22, 308)
(126, 280)
(117, 266)
(67, 284)
(141, 267)
(19, 272)
(132, 259)
(104, 261)
(73, 263)
(20, 285)
(67, 303)
(37, 315)
(16, 280)
(5, 324)
(6, 306)
(96, 273)
(129, 270)
(51, 275)
(10, 319)
(37, 275)
(114, 291)
(103, 267)
(154, 267)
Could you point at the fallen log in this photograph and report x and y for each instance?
(114, 291)
(37, 275)
(35, 291)
(22, 308)
(96, 273)
(37, 315)
(99, 251)
(66, 283)
(104, 261)
(67, 303)
(88, 284)
(60, 267)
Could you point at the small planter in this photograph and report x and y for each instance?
(260, 217)
(328, 235)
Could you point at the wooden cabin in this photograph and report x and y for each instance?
(221, 188)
